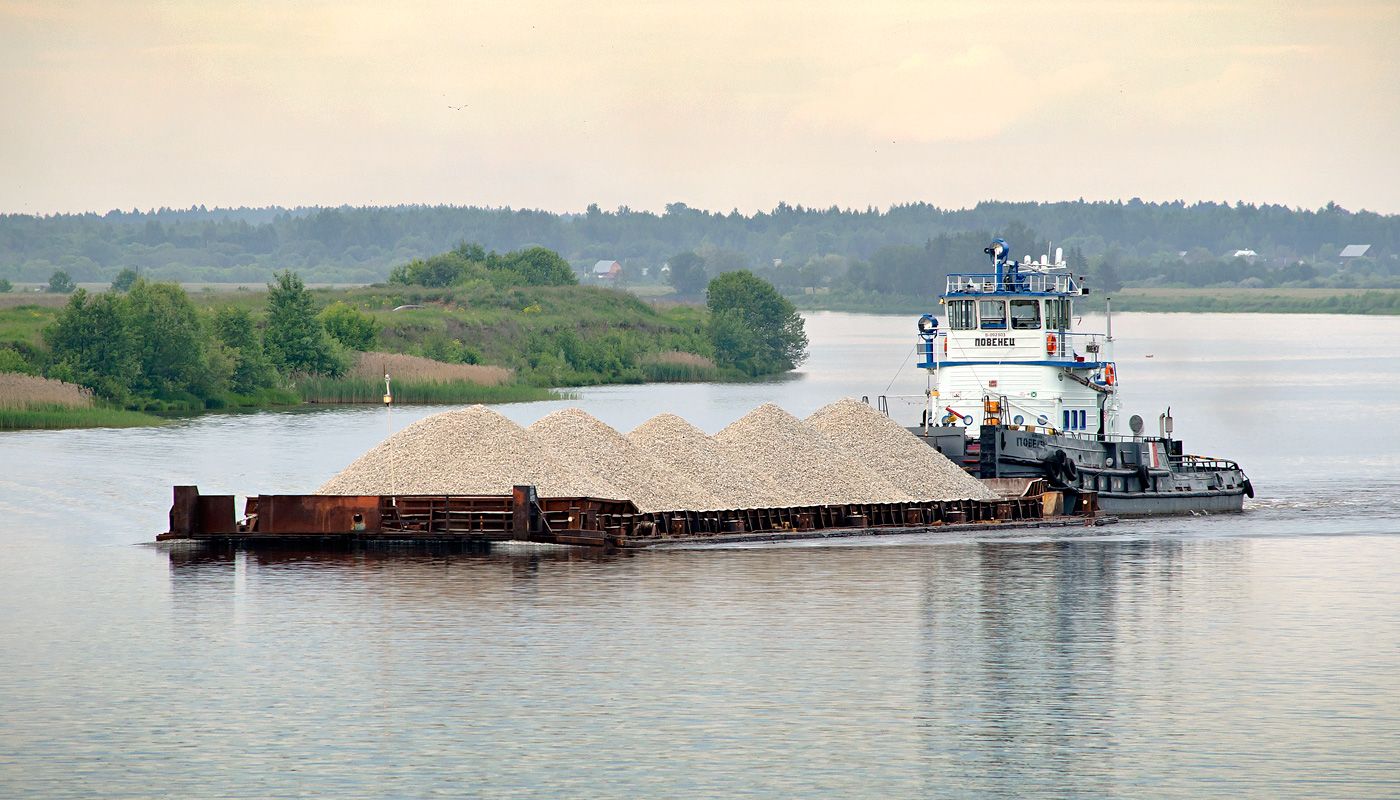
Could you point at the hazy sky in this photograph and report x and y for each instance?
(719, 105)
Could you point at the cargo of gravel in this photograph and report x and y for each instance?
(651, 484)
(895, 454)
(690, 452)
(473, 451)
(807, 467)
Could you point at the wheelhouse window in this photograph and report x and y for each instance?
(961, 315)
(1057, 313)
(993, 314)
(1025, 315)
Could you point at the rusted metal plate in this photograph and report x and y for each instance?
(317, 514)
(216, 514)
(184, 511)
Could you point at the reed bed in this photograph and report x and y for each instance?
(416, 369)
(359, 390)
(20, 391)
(49, 417)
(675, 366)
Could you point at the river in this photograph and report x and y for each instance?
(1254, 654)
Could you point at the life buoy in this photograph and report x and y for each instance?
(1052, 344)
(1110, 375)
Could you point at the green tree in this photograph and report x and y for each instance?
(61, 283)
(752, 327)
(234, 328)
(5, 286)
(688, 273)
(93, 345)
(124, 280)
(350, 326)
(169, 342)
(294, 339)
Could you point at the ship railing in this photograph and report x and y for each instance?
(1206, 463)
(1036, 282)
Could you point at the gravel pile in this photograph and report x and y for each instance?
(689, 452)
(895, 454)
(845, 453)
(590, 444)
(808, 468)
(474, 451)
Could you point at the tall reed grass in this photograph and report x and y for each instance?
(50, 417)
(19, 391)
(416, 369)
(679, 367)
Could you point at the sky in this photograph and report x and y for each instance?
(720, 105)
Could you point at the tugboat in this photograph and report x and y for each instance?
(1015, 392)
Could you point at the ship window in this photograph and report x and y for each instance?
(993, 314)
(961, 315)
(1025, 315)
(1057, 313)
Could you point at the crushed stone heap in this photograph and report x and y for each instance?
(895, 454)
(688, 451)
(806, 466)
(474, 451)
(583, 440)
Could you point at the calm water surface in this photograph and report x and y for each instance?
(1254, 654)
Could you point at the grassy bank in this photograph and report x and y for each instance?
(456, 345)
(1232, 300)
(1268, 301)
(866, 303)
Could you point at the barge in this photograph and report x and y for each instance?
(524, 516)
(1015, 390)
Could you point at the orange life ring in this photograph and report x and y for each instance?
(1051, 344)
(1110, 375)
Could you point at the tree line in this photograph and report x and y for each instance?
(362, 245)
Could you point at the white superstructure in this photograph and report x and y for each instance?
(1008, 353)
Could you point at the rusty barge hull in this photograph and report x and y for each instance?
(583, 521)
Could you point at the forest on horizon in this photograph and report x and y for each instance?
(899, 250)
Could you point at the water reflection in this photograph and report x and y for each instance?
(1252, 654)
(1037, 660)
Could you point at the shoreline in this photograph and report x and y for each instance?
(1349, 302)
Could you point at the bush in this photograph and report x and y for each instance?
(350, 326)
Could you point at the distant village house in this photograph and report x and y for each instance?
(1353, 251)
(607, 270)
